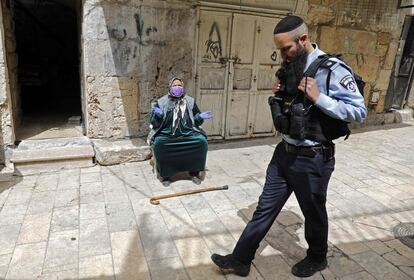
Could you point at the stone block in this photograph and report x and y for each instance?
(384, 38)
(62, 251)
(405, 115)
(27, 261)
(390, 57)
(383, 80)
(8, 237)
(379, 267)
(96, 267)
(65, 218)
(111, 58)
(128, 256)
(112, 107)
(329, 40)
(93, 238)
(381, 50)
(4, 265)
(35, 228)
(120, 151)
(318, 15)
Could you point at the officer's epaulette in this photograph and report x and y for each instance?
(329, 64)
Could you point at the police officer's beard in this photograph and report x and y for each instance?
(299, 63)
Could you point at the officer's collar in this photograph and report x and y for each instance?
(313, 55)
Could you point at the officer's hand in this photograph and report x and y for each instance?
(276, 86)
(312, 89)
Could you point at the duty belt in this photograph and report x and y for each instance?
(328, 151)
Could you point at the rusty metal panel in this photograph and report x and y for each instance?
(268, 54)
(212, 100)
(212, 78)
(243, 37)
(238, 117)
(212, 40)
(242, 78)
(263, 119)
(266, 78)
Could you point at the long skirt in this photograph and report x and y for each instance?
(179, 154)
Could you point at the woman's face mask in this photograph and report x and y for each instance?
(177, 91)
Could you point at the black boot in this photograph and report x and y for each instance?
(229, 262)
(308, 267)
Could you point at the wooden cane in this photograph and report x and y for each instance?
(155, 200)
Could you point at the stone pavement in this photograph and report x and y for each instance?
(97, 223)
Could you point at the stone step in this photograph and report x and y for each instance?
(6, 173)
(38, 156)
(109, 152)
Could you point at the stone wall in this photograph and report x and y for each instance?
(8, 74)
(130, 50)
(366, 32)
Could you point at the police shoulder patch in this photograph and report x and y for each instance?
(348, 82)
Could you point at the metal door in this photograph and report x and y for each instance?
(402, 77)
(212, 69)
(237, 60)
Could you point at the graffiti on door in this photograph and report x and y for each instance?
(213, 43)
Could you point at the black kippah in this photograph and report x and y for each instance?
(287, 24)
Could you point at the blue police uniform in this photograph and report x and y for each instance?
(306, 176)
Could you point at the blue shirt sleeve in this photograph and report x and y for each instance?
(344, 101)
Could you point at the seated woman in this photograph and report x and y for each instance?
(177, 141)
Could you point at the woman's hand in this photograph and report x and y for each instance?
(206, 115)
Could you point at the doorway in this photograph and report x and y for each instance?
(47, 47)
(236, 64)
(403, 74)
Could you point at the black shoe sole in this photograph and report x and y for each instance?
(316, 269)
(222, 266)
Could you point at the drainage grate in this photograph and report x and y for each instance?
(405, 233)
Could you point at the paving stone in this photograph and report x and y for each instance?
(91, 192)
(4, 265)
(93, 238)
(363, 275)
(46, 182)
(62, 252)
(41, 202)
(342, 266)
(120, 217)
(115, 193)
(397, 259)
(19, 196)
(35, 228)
(128, 256)
(168, 269)
(69, 179)
(96, 267)
(409, 270)
(155, 237)
(269, 266)
(27, 261)
(65, 274)
(196, 258)
(179, 223)
(378, 267)
(8, 237)
(13, 214)
(65, 218)
(92, 210)
(379, 247)
(92, 177)
(66, 198)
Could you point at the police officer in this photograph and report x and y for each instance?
(303, 162)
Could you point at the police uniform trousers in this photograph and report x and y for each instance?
(308, 178)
